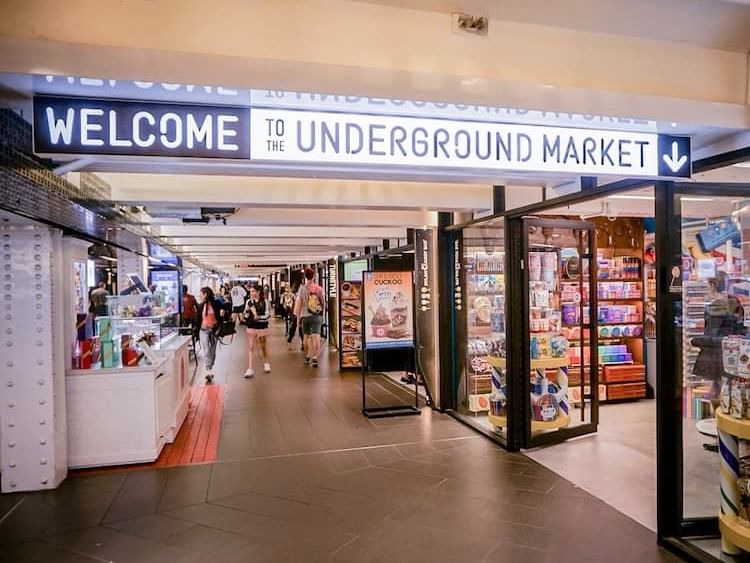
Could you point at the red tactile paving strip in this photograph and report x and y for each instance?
(197, 440)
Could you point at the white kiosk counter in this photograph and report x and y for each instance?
(177, 350)
(125, 415)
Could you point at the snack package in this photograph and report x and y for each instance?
(743, 359)
(743, 484)
(543, 346)
(730, 353)
(725, 395)
(737, 405)
(559, 346)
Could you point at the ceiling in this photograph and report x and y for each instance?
(721, 24)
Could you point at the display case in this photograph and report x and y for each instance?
(141, 314)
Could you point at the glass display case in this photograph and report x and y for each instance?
(141, 313)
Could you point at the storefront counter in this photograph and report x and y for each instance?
(177, 350)
(119, 415)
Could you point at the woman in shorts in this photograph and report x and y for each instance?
(256, 317)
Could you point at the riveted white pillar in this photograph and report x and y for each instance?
(33, 440)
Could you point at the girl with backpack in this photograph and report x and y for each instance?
(210, 315)
(256, 317)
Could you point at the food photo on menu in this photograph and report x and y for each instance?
(388, 309)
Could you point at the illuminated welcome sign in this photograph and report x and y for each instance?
(354, 139)
(348, 139)
(112, 127)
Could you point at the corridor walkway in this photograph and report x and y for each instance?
(302, 476)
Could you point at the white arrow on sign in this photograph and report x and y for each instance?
(675, 161)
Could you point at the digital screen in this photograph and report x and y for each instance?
(353, 270)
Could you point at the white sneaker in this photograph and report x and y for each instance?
(267, 367)
(249, 373)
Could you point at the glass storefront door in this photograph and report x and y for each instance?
(560, 368)
(483, 394)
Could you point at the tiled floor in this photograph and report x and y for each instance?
(302, 476)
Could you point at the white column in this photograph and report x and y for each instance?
(33, 435)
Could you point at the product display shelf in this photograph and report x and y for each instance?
(735, 535)
(624, 249)
(485, 321)
(695, 294)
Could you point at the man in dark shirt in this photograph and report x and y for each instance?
(99, 300)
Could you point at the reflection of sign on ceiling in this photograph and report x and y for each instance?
(352, 139)
(82, 126)
(278, 99)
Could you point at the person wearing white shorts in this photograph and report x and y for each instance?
(256, 317)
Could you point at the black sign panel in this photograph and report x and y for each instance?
(137, 128)
(674, 156)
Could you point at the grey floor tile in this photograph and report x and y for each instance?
(275, 507)
(155, 527)
(27, 520)
(218, 517)
(111, 545)
(366, 550)
(41, 552)
(223, 546)
(185, 486)
(139, 496)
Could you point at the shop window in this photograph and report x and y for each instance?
(482, 384)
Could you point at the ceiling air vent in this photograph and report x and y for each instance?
(465, 23)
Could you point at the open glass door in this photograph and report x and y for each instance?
(561, 334)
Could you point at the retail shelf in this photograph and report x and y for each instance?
(496, 362)
(618, 280)
(734, 532)
(536, 425)
(735, 426)
(636, 299)
(550, 363)
(621, 323)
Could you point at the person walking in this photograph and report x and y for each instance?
(287, 307)
(98, 300)
(189, 308)
(210, 314)
(238, 295)
(309, 309)
(256, 315)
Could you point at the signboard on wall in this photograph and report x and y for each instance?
(84, 126)
(425, 270)
(380, 140)
(388, 306)
(136, 128)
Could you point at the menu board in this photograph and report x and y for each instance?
(351, 323)
(388, 310)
